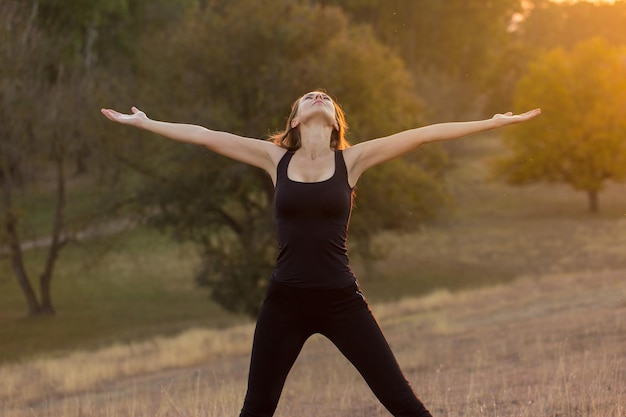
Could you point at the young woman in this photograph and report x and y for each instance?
(313, 289)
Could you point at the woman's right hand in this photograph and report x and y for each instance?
(134, 119)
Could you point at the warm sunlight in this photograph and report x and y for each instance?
(528, 5)
(588, 1)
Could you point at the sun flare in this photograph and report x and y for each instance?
(588, 1)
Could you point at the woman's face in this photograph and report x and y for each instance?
(316, 104)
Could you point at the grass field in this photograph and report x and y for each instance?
(134, 337)
(536, 347)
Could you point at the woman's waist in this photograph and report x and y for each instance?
(335, 276)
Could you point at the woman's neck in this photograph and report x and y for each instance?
(315, 140)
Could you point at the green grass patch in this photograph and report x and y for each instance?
(123, 287)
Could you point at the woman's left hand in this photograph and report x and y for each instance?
(510, 118)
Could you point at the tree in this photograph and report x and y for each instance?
(581, 140)
(448, 46)
(38, 136)
(50, 79)
(545, 25)
(17, 52)
(276, 50)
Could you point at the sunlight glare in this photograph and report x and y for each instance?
(588, 1)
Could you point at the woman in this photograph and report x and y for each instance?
(313, 289)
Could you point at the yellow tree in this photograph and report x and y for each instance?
(581, 139)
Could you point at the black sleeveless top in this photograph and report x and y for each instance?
(312, 219)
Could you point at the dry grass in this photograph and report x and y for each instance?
(554, 346)
(84, 371)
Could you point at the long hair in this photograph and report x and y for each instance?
(290, 137)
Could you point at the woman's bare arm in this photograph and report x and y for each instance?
(255, 152)
(365, 155)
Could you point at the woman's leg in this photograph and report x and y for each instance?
(278, 339)
(356, 333)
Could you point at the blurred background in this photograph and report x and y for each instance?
(111, 234)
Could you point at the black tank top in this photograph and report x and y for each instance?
(312, 219)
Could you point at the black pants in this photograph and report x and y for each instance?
(290, 315)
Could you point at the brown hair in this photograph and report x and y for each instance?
(290, 137)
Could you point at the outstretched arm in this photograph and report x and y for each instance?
(367, 154)
(254, 152)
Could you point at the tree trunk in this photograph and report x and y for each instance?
(17, 263)
(17, 260)
(592, 198)
(56, 242)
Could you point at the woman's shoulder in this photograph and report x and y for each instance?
(277, 153)
(350, 155)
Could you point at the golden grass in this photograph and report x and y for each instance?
(554, 346)
(83, 371)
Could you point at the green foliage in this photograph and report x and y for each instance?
(396, 196)
(87, 31)
(225, 208)
(275, 51)
(450, 35)
(51, 87)
(548, 25)
(581, 138)
(450, 47)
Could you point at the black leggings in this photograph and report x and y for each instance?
(290, 315)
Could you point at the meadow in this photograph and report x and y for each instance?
(552, 346)
(512, 305)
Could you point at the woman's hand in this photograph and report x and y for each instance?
(510, 118)
(135, 119)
